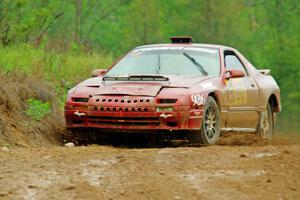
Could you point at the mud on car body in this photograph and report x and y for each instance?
(181, 86)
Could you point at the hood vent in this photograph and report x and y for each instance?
(137, 78)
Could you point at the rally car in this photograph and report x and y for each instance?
(180, 86)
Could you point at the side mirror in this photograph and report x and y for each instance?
(98, 72)
(234, 73)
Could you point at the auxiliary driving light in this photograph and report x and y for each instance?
(164, 109)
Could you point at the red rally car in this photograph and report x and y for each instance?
(181, 86)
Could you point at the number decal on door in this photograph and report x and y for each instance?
(237, 91)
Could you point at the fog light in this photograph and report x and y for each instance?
(164, 109)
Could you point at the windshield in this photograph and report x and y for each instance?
(189, 61)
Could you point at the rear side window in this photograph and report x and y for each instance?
(233, 62)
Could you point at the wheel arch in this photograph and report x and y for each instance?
(216, 98)
(274, 103)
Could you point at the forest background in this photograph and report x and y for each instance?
(64, 40)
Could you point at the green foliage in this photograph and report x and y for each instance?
(37, 110)
(63, 69)
(56, 67)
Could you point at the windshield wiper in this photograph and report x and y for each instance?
(158, 63)
(200, 67)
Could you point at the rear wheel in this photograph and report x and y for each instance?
(266, 123)
(210, 127)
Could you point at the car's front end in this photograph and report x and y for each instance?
(128, 106)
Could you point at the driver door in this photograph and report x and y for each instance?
(242, 95)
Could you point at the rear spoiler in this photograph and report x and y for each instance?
(265, 71)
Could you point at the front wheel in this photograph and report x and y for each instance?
(266, 123)
(211, 121)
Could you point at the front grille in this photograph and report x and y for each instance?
(134, 121)
(123, 99)
(122, 104)
(123, 109)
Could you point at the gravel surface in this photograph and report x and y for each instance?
(103, 172)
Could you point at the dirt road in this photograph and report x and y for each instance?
(269, 171)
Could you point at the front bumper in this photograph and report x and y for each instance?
(183, 119)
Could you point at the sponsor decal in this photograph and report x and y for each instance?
(165, 116)
(237, 91)
(198, 99)
(197, 115)
(79, 114)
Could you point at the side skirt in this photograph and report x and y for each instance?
(246, 130)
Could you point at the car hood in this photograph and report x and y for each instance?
(137, 88)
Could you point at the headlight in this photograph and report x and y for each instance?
(166, 101)
(80, 99)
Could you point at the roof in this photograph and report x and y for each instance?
(187, 45)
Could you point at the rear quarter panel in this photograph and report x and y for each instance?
(267, 86)
(266, 83)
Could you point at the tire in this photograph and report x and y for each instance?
(265, 126)
(81, 136)
(211, 122)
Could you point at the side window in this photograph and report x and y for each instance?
(232, 61)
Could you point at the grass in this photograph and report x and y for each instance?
(71, 66)
(37, 110)
(62, 70)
